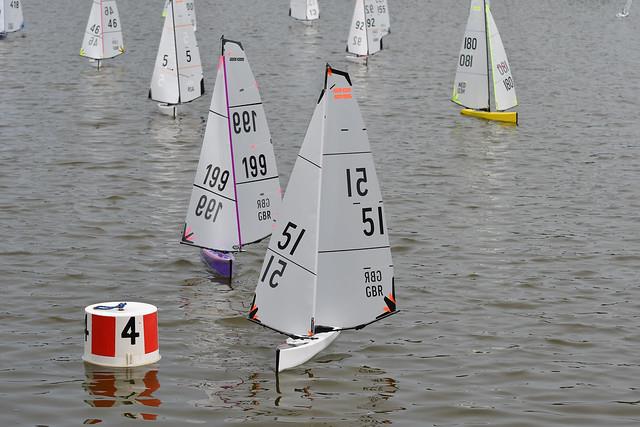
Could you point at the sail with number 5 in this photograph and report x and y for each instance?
(483, 68)
(177, 76)
(365, 36)
(304, 10)
(328, 266)
(236, 191)
(103, 36)
(191, 11)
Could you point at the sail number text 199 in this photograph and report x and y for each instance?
(210, 208)
(214, 176)
(245, 122)
(254, 166)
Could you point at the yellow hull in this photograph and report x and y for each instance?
(498, 116)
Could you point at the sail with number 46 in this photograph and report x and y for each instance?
(365, 36)
(103, 35)
(177, 76)
(236, 191)
(483, 68)
(328, 266)
(304, 10)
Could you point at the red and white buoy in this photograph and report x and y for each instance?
(121, 334)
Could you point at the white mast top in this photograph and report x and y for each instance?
(236, 192)
(328, 266)
(304, 10)
(177, 76)
(103, 36)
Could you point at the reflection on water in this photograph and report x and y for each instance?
(113, 388)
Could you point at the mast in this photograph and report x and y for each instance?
(175, 44)
(486, 40)
(233, 163)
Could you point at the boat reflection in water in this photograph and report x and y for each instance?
(110, 388)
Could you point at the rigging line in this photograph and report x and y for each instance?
(233, 163)
(486, 41)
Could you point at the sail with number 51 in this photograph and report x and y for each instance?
(328, 266)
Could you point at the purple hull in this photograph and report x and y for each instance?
(219, 262)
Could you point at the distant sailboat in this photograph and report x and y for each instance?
(483, 61)
(365, 37)
(328, 267)
(103, 36)
(191, 11)
(304, 10)
(11, 18)
(177, 76)
(236, 192)
(382, 16)
(625, 10)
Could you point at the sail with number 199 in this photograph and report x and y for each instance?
(483, 69)
(236, 193)
(177, 75)
(11, 18)
(103, 35)
(328, 267)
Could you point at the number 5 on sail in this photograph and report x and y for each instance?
(328, 267)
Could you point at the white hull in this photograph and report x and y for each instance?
(168, 109)
(296, 352)
(622, 14)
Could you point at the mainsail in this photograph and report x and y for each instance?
(364, 34)
(12, 14)
(236, 192)
(382, 17)
(471, 85)
(305, 10)
(328, 266)
(177, 76)
(103, 36)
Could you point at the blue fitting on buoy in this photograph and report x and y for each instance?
(109, 307)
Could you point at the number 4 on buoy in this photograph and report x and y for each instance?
(121, 334)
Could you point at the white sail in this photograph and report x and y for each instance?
(103, 35)
(177, 76)
(382, 17)
(625, 10)
(191, 11)
(236, 192)
(471, 85)
(304, 10)
(328, 266)
(2, 14)
(504, 89)
(364, 35)
(13, 19)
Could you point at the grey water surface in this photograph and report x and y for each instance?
(516, 249)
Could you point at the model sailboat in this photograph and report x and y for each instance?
(236, 192)
(382, 17)
(11, 18)
(328, 267)
(365, 37)
(625, 10)
(191, 11)
(177, 76)
(103, 36)
(304, 10)
(483, 68)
